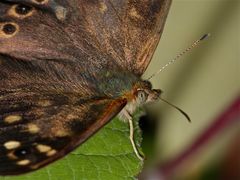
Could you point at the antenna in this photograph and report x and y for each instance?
(205, 36)
(180, 110)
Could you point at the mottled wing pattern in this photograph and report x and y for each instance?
(46, 110)
(37, 128)
(51, 54)
(49, 101)
(48, 30)
(100, 33)
(126, 30)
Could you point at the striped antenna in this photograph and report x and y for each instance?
(205, 36)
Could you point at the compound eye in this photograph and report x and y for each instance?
(142, 96)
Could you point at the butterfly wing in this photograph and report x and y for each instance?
(100, 33)
(50, 56)
(51, 31)
(46, 110)
(126, 30)
(37, 128)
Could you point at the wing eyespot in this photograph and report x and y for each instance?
(20, 11)
(23, 10)
(8, 29)
(21, 153)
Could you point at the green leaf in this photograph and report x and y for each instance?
(106, 155)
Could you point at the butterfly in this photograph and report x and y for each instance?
(67, 67)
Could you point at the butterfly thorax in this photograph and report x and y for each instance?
(116, 83)
(122, 84)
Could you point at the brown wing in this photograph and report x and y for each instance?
(100, 33)
(127, 30)
(46, 110)
(33, 30)
(51, 53)
(37, 128)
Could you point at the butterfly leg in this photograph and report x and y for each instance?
(131, 135)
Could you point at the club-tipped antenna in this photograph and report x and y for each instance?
(180, 110)
(205, 36)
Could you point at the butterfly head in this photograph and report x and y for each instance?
(144, 93)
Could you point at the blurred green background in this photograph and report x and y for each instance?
(203, 83)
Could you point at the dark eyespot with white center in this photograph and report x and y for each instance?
(22, 9)
(22, 152)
